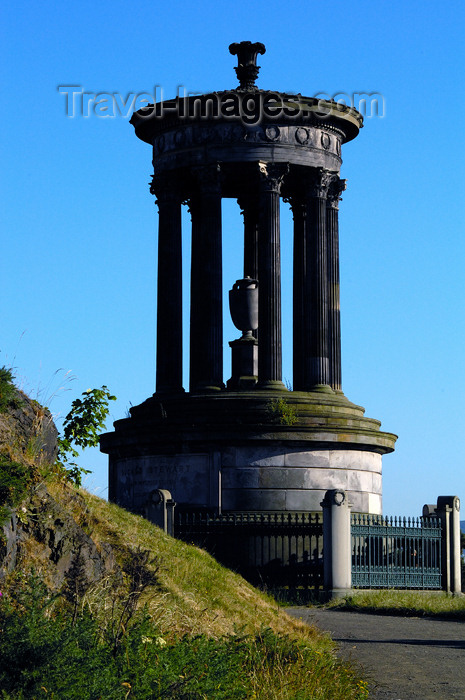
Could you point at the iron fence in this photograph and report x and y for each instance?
(396, 552)
(285, 551)
(279, 551)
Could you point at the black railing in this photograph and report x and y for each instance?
(268, 549)
(395, 552)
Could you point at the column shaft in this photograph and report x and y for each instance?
(169, 288)
(206, 326)
(299, 212)
(251, 214)
(334, 314)
(315, 334)
(269, 279)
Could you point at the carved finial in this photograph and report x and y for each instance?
(247, 69)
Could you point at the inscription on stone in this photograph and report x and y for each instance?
(186, 476)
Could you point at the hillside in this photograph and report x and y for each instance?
(90, 591)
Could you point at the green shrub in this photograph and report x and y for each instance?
(81, 428)
(15, 479)
(43, 653)
(8, 394)
(282, 412)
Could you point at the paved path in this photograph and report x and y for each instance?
(407, 658)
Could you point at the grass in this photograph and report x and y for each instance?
(221, 638)
(44, 655)
(397, 602)
(198, 595)
(167, 621)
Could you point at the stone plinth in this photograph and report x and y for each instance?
(234, 451)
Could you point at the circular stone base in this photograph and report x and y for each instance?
(257, 450)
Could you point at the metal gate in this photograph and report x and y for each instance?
(395, 552)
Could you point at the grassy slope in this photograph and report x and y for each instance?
(190, 594)
(196, 594)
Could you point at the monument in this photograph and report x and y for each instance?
(248, 444)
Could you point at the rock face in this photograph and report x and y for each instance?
(60, 547)
(27, 431)
(41, 529)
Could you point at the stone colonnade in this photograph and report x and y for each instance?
(314, 196)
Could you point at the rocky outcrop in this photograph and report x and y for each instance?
(43, 534)
(27, 430)
(42, 531)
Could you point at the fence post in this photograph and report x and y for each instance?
(448, 509)
(159, 509)
(337, 559)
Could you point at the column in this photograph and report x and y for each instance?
(316, 327)
(334, 314)
(299, 212)
(206, 324)
(169, 285)
(250, 211)
(269, 277)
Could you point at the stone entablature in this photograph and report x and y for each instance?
(232, 143)
(258, 108)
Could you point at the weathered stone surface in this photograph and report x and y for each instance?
(27, 430)
(307, 459)
(40, 530)
(195, 479)
(59, 545)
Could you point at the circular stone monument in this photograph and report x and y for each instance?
(249, 445)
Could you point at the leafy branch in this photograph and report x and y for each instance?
(81, 428)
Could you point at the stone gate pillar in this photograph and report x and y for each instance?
(448, 510)
(337, 543)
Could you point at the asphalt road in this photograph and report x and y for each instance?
(405, 658)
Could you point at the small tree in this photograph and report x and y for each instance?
(81, 428)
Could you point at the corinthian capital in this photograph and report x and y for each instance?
(208, 178)
(336, 188)
(272, 175)
(165, 187)
(321, 182)
(298, 206)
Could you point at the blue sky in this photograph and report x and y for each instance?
(78, 262)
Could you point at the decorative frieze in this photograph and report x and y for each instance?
(193, 136)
